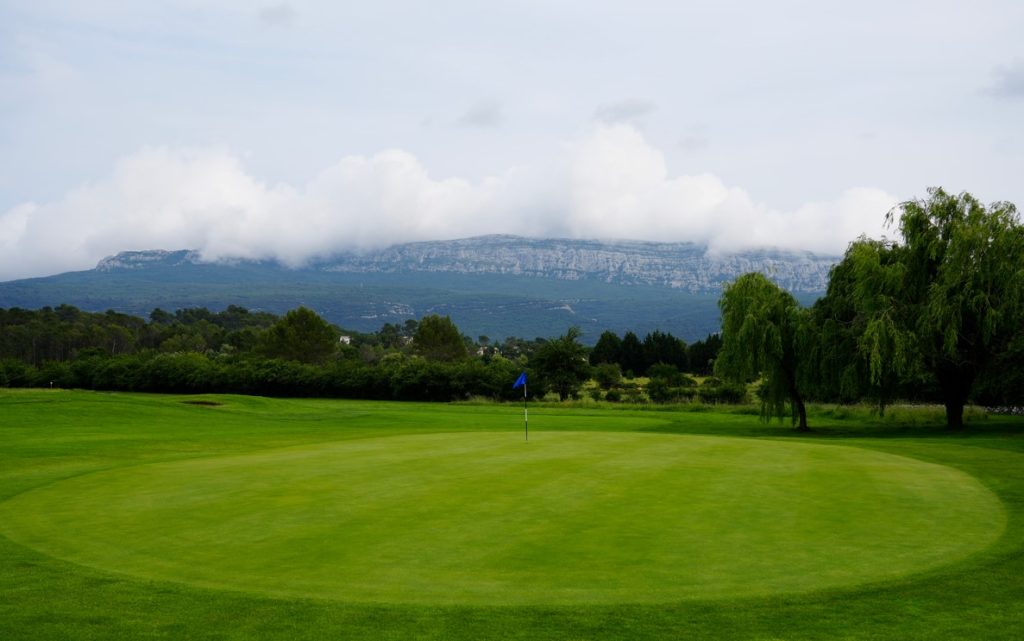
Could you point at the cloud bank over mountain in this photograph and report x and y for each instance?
(609, 183)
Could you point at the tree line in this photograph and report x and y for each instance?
(237, 350)
(936, 315)
(636, 358)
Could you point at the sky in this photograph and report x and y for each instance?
(292, 130)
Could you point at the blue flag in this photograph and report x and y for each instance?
(520, 381)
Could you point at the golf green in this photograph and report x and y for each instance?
(484, 518)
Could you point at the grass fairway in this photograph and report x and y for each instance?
(129, 516)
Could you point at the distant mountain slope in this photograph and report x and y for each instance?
(493, 285)
(678, 265)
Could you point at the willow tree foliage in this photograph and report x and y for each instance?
(858, 328)
(765, 334)
(948, 298)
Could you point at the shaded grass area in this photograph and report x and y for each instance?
(47, 436)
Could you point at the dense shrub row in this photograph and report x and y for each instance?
(410, 378)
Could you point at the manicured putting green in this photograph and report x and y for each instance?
(483, 518)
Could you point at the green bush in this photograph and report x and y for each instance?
(728, 393)
(608, 375)
(15, 373)
(56, 374)
(661, 391)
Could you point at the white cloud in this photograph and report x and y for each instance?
(278, 15)
(629, 110)
(621, 188)
(609, 184)
(1009, 80)
(482, 114)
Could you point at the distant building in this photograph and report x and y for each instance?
(347, 340)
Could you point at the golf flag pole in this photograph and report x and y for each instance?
(521, 381)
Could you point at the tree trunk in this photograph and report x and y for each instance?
(955, 384)
(797, 401)
(801, 416)
(955, 415)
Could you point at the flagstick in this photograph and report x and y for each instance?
(526, 416)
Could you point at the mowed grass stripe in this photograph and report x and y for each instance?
(485, 519)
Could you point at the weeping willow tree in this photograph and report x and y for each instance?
(765, 333)
(948, 299)
(862, 349)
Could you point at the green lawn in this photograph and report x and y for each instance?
(132, 516)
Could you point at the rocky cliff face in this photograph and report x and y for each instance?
(147, 259)
(683, 266)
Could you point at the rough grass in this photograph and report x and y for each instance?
(49, 440)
